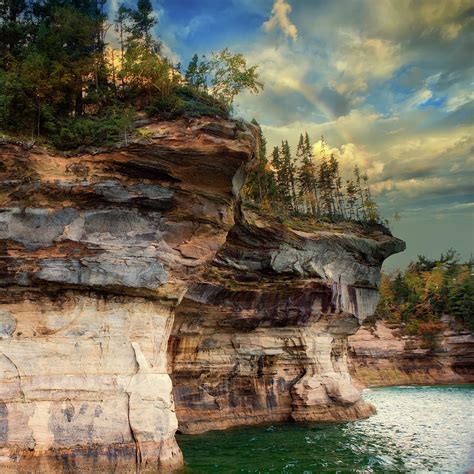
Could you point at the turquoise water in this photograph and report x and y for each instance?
(416, 429)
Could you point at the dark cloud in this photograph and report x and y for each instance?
(397, 170)
(336, 102)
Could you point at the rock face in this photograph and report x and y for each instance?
(263, 336)
(123, 267)
(381, 356)
(96, 251)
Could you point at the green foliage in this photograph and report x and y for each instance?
(91, 131)
(196, 73)
(59, 79)
(261, 186)
(230, 75)
(310, 187)
(460, 300)
(224, 76)
(426, 291)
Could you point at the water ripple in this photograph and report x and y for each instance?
(416, 429)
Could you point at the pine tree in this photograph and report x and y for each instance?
(142, 20)
(310, 157)
(337, 197)
(289, 167)
(352, 197)
(307, 175)
(326, 183)
(371, 209)
(362, 208)
(15, 26)
(196, 73)
(120, 20)
(284, 197)
(400, 289)
(257, 182)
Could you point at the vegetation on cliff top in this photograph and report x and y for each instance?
(63, 82)
(60, 79)
(418, 298)
(305, 190)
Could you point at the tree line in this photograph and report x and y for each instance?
(61, 78)
(418, 298)
(309, 185)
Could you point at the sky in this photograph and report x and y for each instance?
(389, 83)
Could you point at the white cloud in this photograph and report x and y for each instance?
(359, 59)
(279, 18)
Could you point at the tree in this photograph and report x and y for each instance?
(461, 300)
(308, 150)
(196, 73)
(146, 74)
(282, 184)
(400, 289)
(336, 187)
(15, 27)
(120, 20)
(326, 183)
(230, 75)
(360, 191)
(289, 174)
(352, 197)
(261, 184)
(307, 175)
(142, 20)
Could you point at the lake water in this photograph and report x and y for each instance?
(416, 429)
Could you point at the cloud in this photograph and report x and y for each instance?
(279, 18)
(197, 23)
(359, 59)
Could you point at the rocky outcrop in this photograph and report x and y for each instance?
(122, 267)
(96, 251)
(383, 356)
(263, 336)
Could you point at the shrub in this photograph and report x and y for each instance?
(91, 131)
(428, 332)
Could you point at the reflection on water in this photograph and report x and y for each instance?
(415, 429)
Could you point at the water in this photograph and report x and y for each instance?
(416, 429)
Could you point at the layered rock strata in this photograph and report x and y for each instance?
(96, 251)
(383, 356)
(263, 336)
(120, 268)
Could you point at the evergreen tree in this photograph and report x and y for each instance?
(351, 191)
(142, 20)
(260, 186)
(120, 22)
(400, 289)
(196, 73)
(362, 208)
(308, 149)
(57, 80)
(337, 197)
(289, 169)
(15, 27)
(307, 175)
(326, 183)
(284, 197)
(371, 210)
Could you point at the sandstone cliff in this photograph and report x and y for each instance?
(263, 336)
(96, 251)
(123, 267)
(382, 356)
